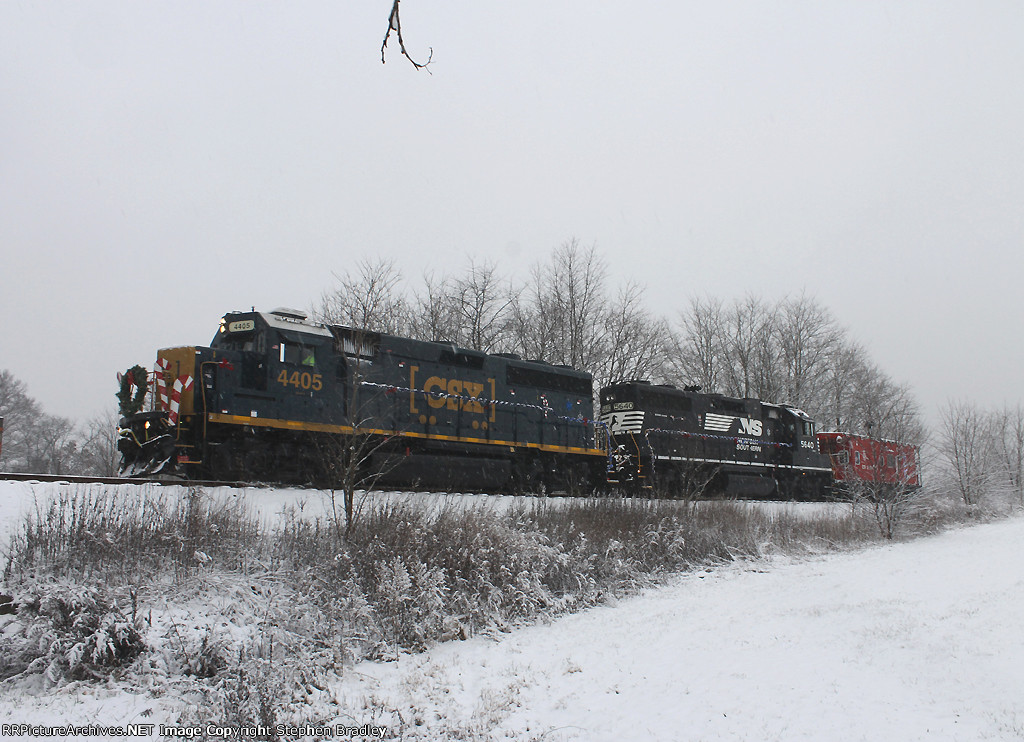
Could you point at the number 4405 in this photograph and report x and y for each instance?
(303, 380)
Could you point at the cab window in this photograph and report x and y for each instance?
(296, 354)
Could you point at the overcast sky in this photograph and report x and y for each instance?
(162, 163)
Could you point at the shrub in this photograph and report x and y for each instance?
(68, 632)
(132, 534)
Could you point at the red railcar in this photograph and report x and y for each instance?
(857, 459)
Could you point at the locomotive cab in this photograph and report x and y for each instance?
(273, 365)
(259, 366)
(797, 430)
(805, 470)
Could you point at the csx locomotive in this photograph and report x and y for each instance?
(277, 397)
(274, 394)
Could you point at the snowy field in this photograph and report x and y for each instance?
(917, 641)
(911, 641)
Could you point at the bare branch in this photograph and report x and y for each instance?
(395, 24)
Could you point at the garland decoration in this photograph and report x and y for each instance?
(137, 377)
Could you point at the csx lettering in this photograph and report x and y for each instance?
(455, 393)
(750, 427)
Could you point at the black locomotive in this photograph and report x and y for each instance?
(274, 395)
(685, 442)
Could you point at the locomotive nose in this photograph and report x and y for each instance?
(145, 443)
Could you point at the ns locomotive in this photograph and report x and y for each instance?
(277, 397)
(684, 440)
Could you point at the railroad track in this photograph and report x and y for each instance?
(74, 479)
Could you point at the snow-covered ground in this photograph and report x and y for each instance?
(915, 641)
(910, 641)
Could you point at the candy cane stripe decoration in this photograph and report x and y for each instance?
(181, 384)
(162, 367)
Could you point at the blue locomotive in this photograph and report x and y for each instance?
(276, 397)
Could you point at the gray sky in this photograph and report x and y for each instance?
(162, 163)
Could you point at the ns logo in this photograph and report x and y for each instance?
(750, 427)
(723, 424)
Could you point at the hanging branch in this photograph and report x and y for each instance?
(395, 24)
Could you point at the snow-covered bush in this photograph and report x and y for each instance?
(131, 534)
(410, 602)
(67, 632)
(483, 570)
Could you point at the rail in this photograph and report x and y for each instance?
(78, 479)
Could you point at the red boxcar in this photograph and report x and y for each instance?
(855, 459)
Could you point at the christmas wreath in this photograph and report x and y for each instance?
(136, 376)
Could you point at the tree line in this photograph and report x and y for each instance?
(567, 311)
(38, 442)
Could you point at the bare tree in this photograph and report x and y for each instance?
(964, 446)
(356, 460)
(635, 340)
(533, 328)
(350, 464)
(752, 357)
(845, 370)
(890, 503)
(473, 309)
(807, 335)
(20, 413)
(563, 319)
(1007, 429)
(577, 291)
(887, 410)
(46, 444)
(368, 299)
(433, 314)
(791, 351)
(695, 353)
(483, 303)
(97, 452)
(51, 446)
